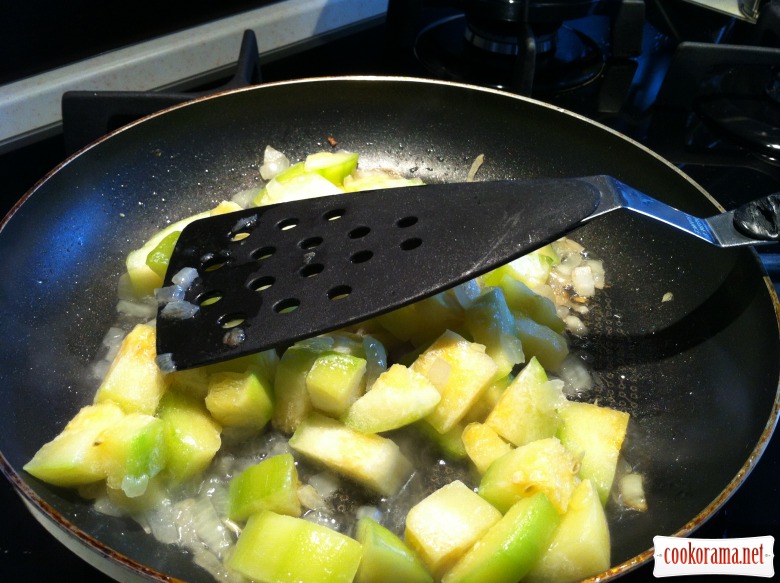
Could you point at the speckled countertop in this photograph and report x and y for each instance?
(31, 106)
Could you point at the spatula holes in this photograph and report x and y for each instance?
(310, 243)
(312, 269)
(243, 228)
(287, 224)
(339, 292)
(406, 222)
(358, 232)
(287, 305)
(240, 236)
(212, 262)
(361, 256)
(334, 215)
(208, 298)
(410, 244)
(229, 321)
(263, 253)
(261, 283)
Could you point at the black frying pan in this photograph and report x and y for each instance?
(699, 374)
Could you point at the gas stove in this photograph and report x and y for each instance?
(699, 87)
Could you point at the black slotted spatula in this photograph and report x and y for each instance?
(272, 275)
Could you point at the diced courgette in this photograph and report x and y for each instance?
(371, 460)
(312, 553)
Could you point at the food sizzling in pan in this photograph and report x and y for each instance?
(331, 430)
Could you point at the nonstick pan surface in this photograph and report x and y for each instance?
(699, 374)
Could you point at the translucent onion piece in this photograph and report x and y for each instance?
(371, 512)
(582, 280)
(376, 359)
(179, 310)
(576, 378)
(185, 276)
(136, 309)
(165, 295)
(475, 166)
(325, 483)
(632, 491)
(165, 362)
(311, 499)
(274, 162)
(162, 523)
(209, 527)
(575, 325)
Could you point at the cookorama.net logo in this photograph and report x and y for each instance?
(752, 557)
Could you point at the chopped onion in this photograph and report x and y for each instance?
(371, 512)
(135, 486)
(162, 522)
(220, 498)
(575, 325)
(104, 505)
(165, 362)
(124, 288)
(245, 223)
(179, 310)
(136, 309)
(209, 527)
(274, 162)
(325, 483)
(312, 499)
(168, 294)
(323, 519)
(376, 359)
(185, 276)
(475, 166)
(235, 337)
(597, 268)
(576, 378)
(210, 563)
(582, 280)
(245, 198)
(632, 491)
(112, 341)
(100, 369)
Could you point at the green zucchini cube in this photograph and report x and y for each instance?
(335, 381)
(527, 409)
(133, 452)
(490, 322)
(242, 400)
(444, 525)
(369, 459)
(270, 485)
(580, 547)
(398, 397)
(511, 547)
(191, 436)
(596, 434)
(543, 465)
(312, 553)
(386, 559)
(292, 401)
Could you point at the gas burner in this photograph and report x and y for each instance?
(549, 60)
(742, 105)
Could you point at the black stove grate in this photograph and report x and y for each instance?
(89, 115)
